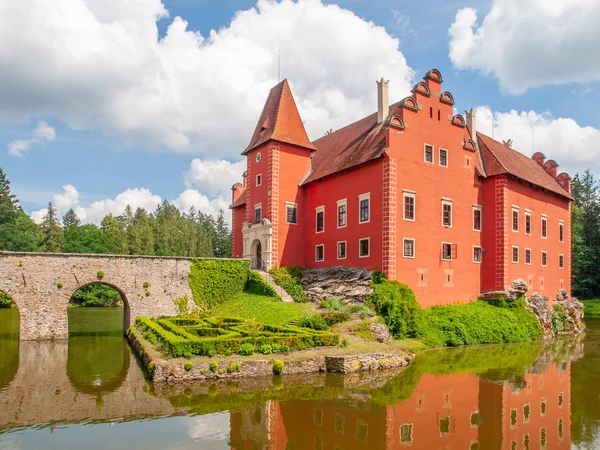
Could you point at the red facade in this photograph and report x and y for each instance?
(412, 190)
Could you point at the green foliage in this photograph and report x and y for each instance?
(332, 304)
(289, 279)
(345, 343)
(316, 322)
(84, 239)
(233, 367)
(150, 368)
(266, 349)
(50, 231)
(100, 274)
(246, 350)
(336, 317)
(213, 367)
(179, 336)
(214, 281)
(182, 305)
(378, 277)
(6, 300)
(397, 305)
(188, 366)
(278, 367)
(591, 307)
(477, 323)
(59, 284)
(146, 284)
(560, 317)
(95, 295)
(147, 293)
(258, 286)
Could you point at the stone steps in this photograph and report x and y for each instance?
(280, 291)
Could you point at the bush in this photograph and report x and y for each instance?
(231, 368)
(397, 305)
(316, 322)
(213, 367)
(289, 279)
(265, 349)
(278, 367)
(345, 343)
(59, 284)
(5, 300)
(335, 317)
(258, 286)
(332, 303)
(100, 274)
(146, 284)
(560, 317)
(188, 366)
(246, 349)
(378, 277)
(214, 281)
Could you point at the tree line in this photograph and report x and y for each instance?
(165, 232)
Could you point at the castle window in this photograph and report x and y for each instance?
(409, 205)
(341, 250)
(560, 399)
(444, 425)
(526, 413)
(515, 218)
(364, 247)
(476, 218)
(514, 416)
(561, 428)
(475, 419)
(320, 253)
(443, 158)
(318, 416)
(428, 153)
(561, 231)
(320, 219)
(406, 430)
(409, 248)
(257, 213)
(515, 254)
(477, 254)
(527, 223)
(362, 431)
(561, 261)
(543, 407)
(291, 216)
(318, 444)
(338, 424)
(446, 251)
(528, 256)
(447, 213)
(544, 227)
(364, 201)
(544, 259)
(259, 179)
(543, 438)
(341, 205)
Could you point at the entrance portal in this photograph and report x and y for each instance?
(257, 255)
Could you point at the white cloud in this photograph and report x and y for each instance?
(528, 43)
(41, 134)
(192, 198)
(104, 67)
(214, 177)
(572, 146)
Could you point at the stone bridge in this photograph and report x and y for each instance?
(41, 285)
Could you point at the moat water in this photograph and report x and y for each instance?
(89, 392)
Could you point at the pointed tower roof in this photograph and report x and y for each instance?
(280, 121)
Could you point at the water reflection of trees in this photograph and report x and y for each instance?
(9, 345)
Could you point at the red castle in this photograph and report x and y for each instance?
(413, 190)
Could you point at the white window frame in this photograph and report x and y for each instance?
(561, 256)
(543, 219)
(512, 254)
(525, 256)
(480, 209)
(337, 249)
(561, 224)
(447, 201)
(528, 214)
(342, 202)
(257, 206)
(542, 258)
(432, 162)
(258, 179)
(515, 209)
(368, 239)
(361, 197)
(473, 254)
(414, 241)
(292, 205)
(442, 250)
(317, 246)
(318, 210)
(440, 150)
(410, 194)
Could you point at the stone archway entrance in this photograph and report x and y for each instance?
(257, 244)
(258, 255)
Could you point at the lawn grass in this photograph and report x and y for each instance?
(591, 307)
(266, 310)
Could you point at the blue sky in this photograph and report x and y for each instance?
(128, 104)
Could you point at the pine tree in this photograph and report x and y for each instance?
(51, 232)
(114, 232)
(222, 237)
(9, 205)
(18, 232)
(71, 219)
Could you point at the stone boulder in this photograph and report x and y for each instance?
(539, 306)
(574, 309)
(381, 332)
(346, 283)
(517, 289)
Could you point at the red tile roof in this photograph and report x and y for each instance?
(280, 121)
(241, 201)
(500, 159)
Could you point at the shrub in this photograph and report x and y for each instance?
(345, 343)
(246, 349)
(316, 322)
(258, 286)
(335, 317)
(357, 308)
(378, 277)
(59, 284)
(214, 281)
(5, 300)
(147, 293)
(231, 368)
(278, 367)
(397, 305)
(146, 284)
(151, 365)
(332, 303)
(284, 348)
(560, 317)
(100, 274)
(213, 367)
(265, 349)
(188, 366)
(289, 279)
(182, 305)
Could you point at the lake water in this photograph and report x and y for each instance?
(89, 392)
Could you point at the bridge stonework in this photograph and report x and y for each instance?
(33, 280)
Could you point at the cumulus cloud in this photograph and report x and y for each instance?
(572, 146)
(41, 134)
(528, 43)
(214, 177)
(104, 66)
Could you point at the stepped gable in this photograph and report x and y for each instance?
(500, 159)
(280, 121)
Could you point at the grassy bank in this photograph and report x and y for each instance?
(591, 307)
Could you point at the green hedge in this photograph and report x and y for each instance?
(5, 300)
(211, 336)
(289, 279)
(258, 286)
(397, 305)
(214, 281)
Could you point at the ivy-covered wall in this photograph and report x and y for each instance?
(214, 281)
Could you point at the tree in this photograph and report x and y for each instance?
(19, 235)
(9, 205)
(51, 232)
(222, 237)
(70, 219)
(85, 239)
(114, 232)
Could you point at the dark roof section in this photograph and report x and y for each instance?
(500, 159)
(241, 201)
(280, 121)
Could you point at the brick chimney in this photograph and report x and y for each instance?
(565, 181)
(245, 178)
(551, 167)
(471, 122)
(383, 100)
(539, 158)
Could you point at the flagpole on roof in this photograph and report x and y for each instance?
(278, 66)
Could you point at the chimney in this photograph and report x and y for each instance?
(471, 122)
(539, 158)
(565, 181)
(383, 101)
(245, 178)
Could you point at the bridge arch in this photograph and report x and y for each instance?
(126, 308)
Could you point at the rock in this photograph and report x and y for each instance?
(346, 283)
(381, 331)
(574, 309)
(562, 294)
(539, 306)
(517, 289)
(492, 295)
(359, 363)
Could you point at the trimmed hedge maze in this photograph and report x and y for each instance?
(226, 335)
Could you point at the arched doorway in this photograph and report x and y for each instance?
(9, 339)
(257, 262)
